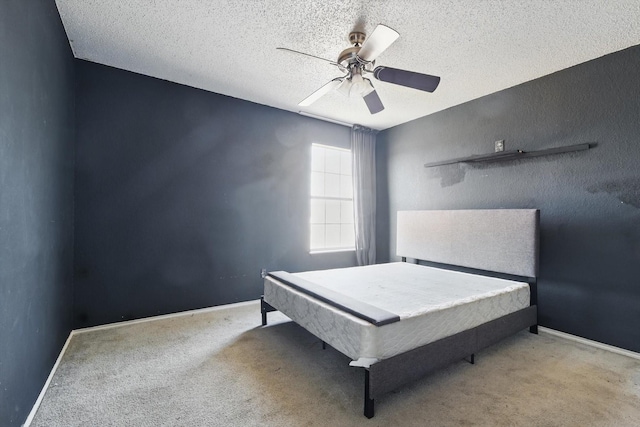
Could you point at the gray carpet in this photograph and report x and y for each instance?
(221, 369)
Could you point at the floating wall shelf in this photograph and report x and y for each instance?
(511, 155)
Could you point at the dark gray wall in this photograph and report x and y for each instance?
(182, 196)
(36, 200)
(590, 201)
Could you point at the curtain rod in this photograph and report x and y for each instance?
(326, 119)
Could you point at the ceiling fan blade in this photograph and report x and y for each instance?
(307, 54)
(381, 38)
(373, 102)
(320, 92)
(407, 78)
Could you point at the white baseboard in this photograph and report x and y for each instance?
(164, 316)
(36, 405)
(591, 343)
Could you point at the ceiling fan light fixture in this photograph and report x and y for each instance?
(345, 87)
(369, 88)
(359, 86)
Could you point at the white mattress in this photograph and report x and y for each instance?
(432, 304)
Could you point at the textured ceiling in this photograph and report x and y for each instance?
(229, 47)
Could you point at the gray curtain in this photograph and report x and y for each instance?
(363, 145)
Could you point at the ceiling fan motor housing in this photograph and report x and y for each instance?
(348, 56)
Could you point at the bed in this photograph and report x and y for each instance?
(399, 321)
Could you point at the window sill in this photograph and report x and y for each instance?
(330, 251)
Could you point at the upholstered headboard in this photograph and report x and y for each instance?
(499, 240)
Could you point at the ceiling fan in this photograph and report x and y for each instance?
(358, 61)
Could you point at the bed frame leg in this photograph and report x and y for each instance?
(264, 309)
(324, 345)
(368, 402)
(533, 329)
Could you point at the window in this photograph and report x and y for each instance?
(331, 199)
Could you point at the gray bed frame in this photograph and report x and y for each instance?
(492, 241)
